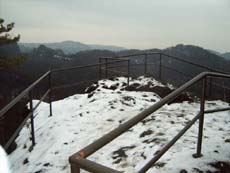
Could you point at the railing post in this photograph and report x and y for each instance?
(99, 68)
(50, 94)
(106, 68)
(2, 131)
(74, 168)
(128, 72)
(32, 119)
(146, 64)
(201, 119)
(210, 87)
(160, 61)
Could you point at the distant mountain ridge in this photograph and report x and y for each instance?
(68, 47)
(225, 55)
(200, 56)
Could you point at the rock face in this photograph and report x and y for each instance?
(69, 47)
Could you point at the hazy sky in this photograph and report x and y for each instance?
(129, 23)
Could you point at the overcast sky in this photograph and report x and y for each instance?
(128, 23)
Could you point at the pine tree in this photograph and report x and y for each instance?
(6, 39)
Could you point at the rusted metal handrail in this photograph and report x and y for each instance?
(216, 110)
(23, 94)
(26, 92)
(90, 166)
(169, 145)
(99, 143)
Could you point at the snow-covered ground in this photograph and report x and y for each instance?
(80, 119)
(4, 168)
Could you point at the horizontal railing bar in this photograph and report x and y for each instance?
(216, 110)
(173, 57)
(115, 66)
(91, 166)
(184, 74)
(42, 98)
(138, 54)
(131, 65)
(23, 94)
(190, 62)
(85, 66)
(218, 75)
(196, 64)
(169, 145)
(218, 85)
(115, 71)
(99, 143)
(152, 64)
(162, 66)
(9, 142)
(112, 58)
(76, 83)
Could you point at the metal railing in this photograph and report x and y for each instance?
(27, 93)
(106, 61)
(146, 56)
(160, 61)
(79, 160)
(105, 67)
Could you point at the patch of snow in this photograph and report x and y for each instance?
(4, 167)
